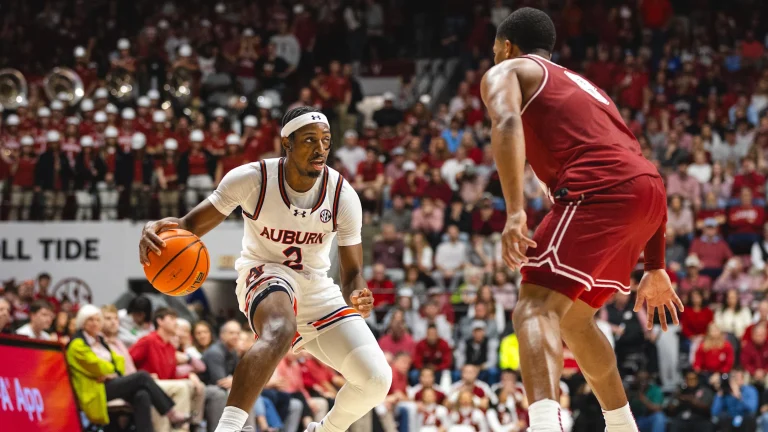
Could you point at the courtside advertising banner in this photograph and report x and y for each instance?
(35, 391)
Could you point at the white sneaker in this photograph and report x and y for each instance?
(312, 427)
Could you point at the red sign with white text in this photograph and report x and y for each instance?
(35, 392)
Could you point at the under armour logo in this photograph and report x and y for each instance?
(314, 117)
(303, 213)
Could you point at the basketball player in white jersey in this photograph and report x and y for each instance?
(292, 208)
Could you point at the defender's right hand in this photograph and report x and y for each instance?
(150, 240)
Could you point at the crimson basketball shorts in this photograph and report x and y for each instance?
(587, 246)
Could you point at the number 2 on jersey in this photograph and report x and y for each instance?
(294, 263)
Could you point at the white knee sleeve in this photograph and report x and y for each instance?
(367, 369)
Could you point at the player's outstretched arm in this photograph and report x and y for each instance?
(199, 221)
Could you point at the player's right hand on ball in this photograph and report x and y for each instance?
(150, 240)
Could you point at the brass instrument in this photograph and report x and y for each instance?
(64, 81)
(120, 84)
(179, 85)
(13, 88)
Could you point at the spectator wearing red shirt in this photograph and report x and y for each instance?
(155, 353)
(426, 382)
(411, 185)
(22, 171)
(429, 219)
(401, 364)
(195, 170)
(749, 178)
(233, 159)
(370, 173)
(433, 352)
(157, 136)
(711, 249)
(601, 71)
(397, 339)
(438, 189)
(715, 354)
(167, 180)
(754, 353)
(696, 317)
(656, 13)
(319, 379)
(381, 286)
(631, 83)
(389, 249)
(762, 318)
(745, 223)
(710, 209)
(142, 168)
(486, 220)
(469, 381)
(751, 48)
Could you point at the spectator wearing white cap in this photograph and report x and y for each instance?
(167, 179)
(57, 114)
(100, 98)
(112, 114)
(154, 99)
(85, 69)
(159, 132)
(247, 56)
(196, 170)
(70, 142)
(23, 173)
(233, 158)
(98, 127)
(90, 169)
(10, 136)
(122, 59)
(351, 154)
(187, 60)
(127, 127)
(142, 164)
(53, 174)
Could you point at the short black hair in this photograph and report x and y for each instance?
(141, 304)
(43, 276)
(38, 305)
(528, 28)
(163, 312)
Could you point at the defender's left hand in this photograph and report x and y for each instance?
(362, 301)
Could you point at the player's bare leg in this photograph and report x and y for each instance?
(537, 319)
(275, 323)
(597, 361)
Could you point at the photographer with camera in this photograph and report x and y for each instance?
(690, 407)
(736, 402)
(645, 400)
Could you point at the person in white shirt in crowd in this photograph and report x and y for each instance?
(351, 154)
(135, 321)
(450, 258)
(483, 395)
(465, 416)
(287, 46)
(40, 319)
(455, 166)
(700, 169)
(433, 417)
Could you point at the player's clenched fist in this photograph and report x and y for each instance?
(362, 301)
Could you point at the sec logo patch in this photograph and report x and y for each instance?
(325, 216)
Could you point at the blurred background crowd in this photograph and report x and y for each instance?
(136, 109)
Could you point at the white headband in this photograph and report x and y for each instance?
(301, 121)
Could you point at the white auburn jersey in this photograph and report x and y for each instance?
(288, 234)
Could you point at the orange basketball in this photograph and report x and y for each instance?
(182, 265)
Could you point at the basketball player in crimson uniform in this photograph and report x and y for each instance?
(609, 206)
(293, 207)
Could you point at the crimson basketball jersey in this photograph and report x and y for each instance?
(575, 137)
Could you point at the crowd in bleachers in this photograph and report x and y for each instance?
(690, 82)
